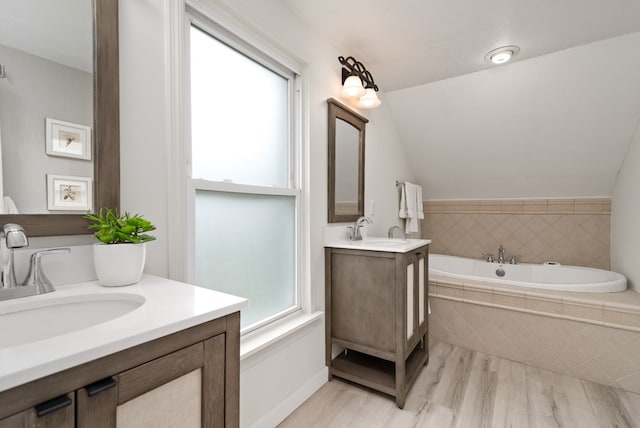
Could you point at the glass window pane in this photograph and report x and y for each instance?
(239, 115)
(245, 245)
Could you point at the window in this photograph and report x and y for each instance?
(244, 174)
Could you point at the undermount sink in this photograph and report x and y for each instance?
(38, 319)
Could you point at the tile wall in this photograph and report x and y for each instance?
(569, 231)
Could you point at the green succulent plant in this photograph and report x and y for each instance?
(113, 228)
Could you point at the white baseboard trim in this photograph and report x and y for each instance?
(293, 401)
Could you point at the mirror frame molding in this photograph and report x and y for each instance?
(106, 131)
(337, 110)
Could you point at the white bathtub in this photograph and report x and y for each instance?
(559, 278)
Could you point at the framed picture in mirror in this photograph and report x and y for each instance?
(68, 139)
(69, 193)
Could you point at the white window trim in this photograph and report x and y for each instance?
(180, 246)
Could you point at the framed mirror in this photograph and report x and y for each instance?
(346, 163)
(102, 132)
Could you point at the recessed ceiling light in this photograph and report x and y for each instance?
(502, 54)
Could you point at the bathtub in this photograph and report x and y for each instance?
(548, 277)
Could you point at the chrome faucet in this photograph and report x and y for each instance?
(501, 254)
(392, 228)
(355, 229)
(11, 236)
(36, 276)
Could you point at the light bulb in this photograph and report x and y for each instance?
(369, 99)
(352, 87)
(501, 57)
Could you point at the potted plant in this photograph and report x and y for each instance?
(119, 257)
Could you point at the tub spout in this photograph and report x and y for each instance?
(501, 254)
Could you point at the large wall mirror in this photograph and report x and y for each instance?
(59, 113)
(346, 163)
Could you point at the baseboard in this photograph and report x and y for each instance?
(293, 401)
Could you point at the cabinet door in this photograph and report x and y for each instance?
(410, 304)
(416, 295)
(422, 288)
(185, 388)
(56, 413)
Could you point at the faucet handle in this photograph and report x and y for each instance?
(489, 257)
(35, 275)
(514, 259)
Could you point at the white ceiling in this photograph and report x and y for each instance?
(60, 30)
(556, 121)
(410, 42)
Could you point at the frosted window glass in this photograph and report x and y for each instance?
(239, 116)
(245, 245)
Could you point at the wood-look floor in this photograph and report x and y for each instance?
(462, 388)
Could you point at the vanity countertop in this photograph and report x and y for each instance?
(169, 306)
(380, 244)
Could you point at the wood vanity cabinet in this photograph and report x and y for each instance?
(376, 309)
(192, 374)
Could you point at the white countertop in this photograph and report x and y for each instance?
(380, 244)
(169, 306)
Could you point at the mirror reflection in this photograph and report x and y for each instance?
(347, 145)
(46, 106)
(346, 163)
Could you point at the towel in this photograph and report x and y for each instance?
(7, 206)
(411, 206)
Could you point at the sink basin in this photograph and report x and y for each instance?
(37, 319)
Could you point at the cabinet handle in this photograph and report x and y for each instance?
(99, 386)
(418, 254)
(52, 405)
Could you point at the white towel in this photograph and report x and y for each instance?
(10, 206)
(411, 206)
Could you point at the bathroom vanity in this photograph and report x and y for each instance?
(172, 353)
(376, 311)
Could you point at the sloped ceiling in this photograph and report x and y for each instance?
(557, 125)
(410, 42)
(554, 122)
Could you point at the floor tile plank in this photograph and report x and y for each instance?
(462, 388)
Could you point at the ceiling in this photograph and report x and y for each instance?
(411, 42)
(60, 31)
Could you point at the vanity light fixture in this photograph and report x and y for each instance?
(502, 54)
(357, 82)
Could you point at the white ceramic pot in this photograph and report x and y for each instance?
(119, 264)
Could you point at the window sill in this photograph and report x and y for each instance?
(266, 336)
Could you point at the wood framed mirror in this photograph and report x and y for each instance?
(346, 163)
(106, 132)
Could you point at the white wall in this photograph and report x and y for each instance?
(145, 159)
(625, 216)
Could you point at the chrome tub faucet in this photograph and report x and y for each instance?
(501, 254)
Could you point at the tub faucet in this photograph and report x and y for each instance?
(501, 254)
(11, 236)
(355, 229)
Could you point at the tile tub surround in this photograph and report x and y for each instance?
(570, 231)
(591, 336)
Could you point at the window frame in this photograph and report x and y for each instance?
(294, 143)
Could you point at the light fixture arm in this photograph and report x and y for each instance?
(352, 67)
